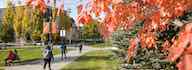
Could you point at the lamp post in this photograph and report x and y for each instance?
(80, 30)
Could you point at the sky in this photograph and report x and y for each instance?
(68, 4)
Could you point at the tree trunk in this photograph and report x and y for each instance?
(20, 41)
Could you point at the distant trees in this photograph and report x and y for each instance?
(7, 31)
(91, 31)
(25, 23)
(21, 22)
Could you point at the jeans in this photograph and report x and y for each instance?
(47, 61)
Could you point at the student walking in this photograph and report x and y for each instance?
(48, 57)
(63, 50)
(80, 48)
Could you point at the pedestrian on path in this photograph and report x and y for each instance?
(48, 57)
(63, 50)
(80, 48)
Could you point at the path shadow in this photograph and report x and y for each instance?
(86, 58)
(40, 61)
(93, 68)
(67, 59)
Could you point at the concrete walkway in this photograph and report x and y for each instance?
(57, 63)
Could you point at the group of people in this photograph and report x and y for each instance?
(47, 55)
(64, 50)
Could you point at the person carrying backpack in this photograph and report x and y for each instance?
(47, 57)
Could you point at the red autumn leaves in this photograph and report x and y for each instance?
(86, 18)
(156, 15)
(181, 49)
(38, 3)
(53, 28)
(132, 49)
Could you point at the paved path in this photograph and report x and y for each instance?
(58, 63)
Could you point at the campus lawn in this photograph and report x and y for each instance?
(26, 54)
(95, 60)
(101, 45)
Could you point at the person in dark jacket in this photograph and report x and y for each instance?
(47, 57)
(80, 48)
(63, 50)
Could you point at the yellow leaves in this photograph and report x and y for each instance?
(18, 18)
(26, 20)
(8, 16)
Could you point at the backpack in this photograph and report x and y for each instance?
(47, 54)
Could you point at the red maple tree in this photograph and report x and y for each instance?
(156, 15)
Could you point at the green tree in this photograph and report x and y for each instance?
(91, 31)
(7, 32)
(36, 25)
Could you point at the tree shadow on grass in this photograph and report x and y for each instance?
(94, 68)
(81, 58)
(93, 57)
(83, 62)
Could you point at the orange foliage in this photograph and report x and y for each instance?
(155, 13)
(45, 28)
(132, 48)
(54, 27)
(181, 49)
(40, 4)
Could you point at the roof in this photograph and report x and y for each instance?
(1, 12)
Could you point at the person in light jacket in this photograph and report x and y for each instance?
(47, 57)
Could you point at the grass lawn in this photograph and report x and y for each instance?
(101, 45)
(95, 60)
(27, 54)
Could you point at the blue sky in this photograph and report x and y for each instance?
(2, 3)
(72, 4)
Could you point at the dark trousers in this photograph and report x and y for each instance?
(63, 52)
(6, 62)
(80, 48)
(47, 61)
